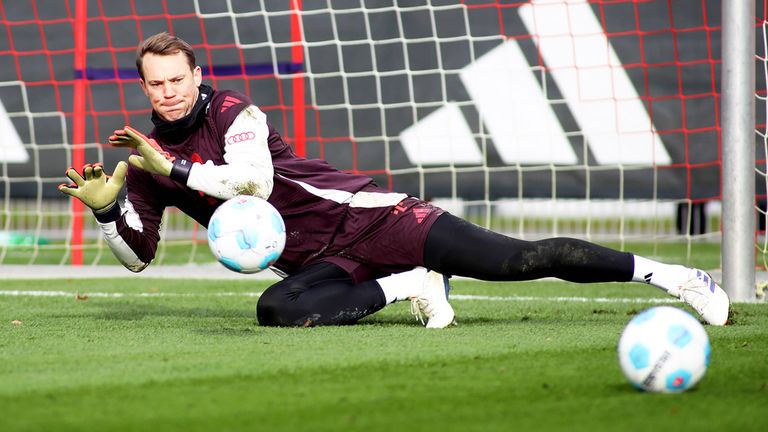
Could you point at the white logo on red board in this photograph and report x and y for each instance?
(519, 115)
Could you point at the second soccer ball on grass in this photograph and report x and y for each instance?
(246, 234)
(664, 349)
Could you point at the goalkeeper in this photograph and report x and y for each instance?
(352, 248)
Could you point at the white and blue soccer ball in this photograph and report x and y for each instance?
(246, 234)
(664, 349)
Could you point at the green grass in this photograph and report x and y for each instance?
(193, 359)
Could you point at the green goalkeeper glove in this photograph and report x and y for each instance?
(94, 188)
(153, 158)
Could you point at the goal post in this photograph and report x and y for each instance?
(738, 137)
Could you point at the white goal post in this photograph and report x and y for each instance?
(738, 106)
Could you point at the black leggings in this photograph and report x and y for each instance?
(321, 294)
(459, 248)
(324, 294)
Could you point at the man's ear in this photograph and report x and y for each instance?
(143, 86)
(197, 75)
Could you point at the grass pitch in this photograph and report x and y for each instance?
(147, 354)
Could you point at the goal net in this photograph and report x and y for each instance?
(591, 119)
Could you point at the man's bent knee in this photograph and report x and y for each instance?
(276, 309)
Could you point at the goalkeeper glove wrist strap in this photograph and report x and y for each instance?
(180, 171)
(109, 214)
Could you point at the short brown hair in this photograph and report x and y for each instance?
(163, 44)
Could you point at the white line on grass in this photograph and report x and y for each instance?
(565, 299)
(30, 293)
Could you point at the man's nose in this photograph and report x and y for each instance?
(168, 90)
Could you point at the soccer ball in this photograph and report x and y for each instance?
(664, 349)
(246, 234)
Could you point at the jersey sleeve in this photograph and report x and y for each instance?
(133, 231)
(248, 166)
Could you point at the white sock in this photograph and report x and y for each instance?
(401, 286)
(668, 277)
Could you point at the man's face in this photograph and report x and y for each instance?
(170, 84)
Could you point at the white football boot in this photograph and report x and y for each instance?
(706, 297)
(433, 301)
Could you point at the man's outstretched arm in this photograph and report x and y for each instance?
(248, 169)
(122, 228)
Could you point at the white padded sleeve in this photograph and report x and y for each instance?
(248, 169)
(119, 247)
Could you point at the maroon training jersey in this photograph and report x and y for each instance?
(306, 192)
